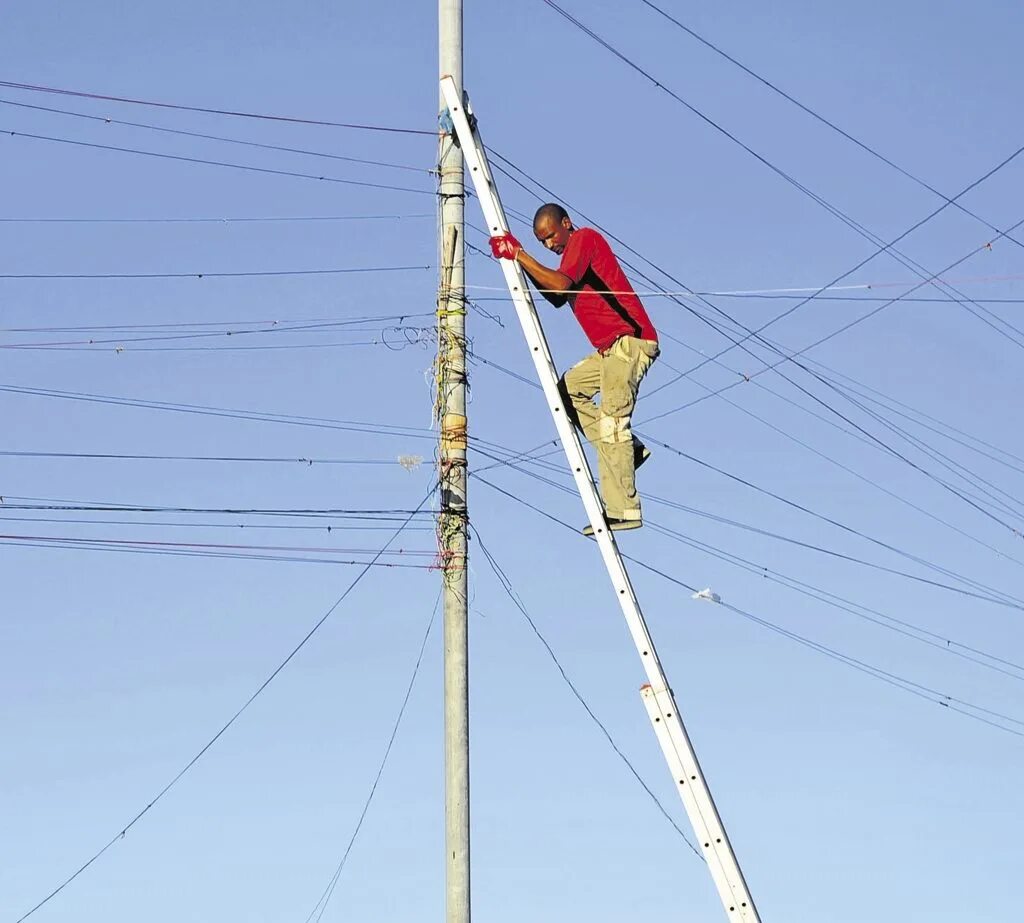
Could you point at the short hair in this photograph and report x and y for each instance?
(550, 210)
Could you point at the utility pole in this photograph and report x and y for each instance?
(452, 519)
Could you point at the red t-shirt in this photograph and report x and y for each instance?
(616, 311)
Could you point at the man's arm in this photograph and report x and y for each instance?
(551, 283)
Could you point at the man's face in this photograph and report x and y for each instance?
(553, 234)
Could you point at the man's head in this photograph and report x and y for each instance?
(552, 226)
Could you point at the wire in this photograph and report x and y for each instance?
(986, 660)
(847, 419)
(216, 546)
(212, 275)
(121, 349)
(307, 462)
(380, 429)
(816, 115)
(854, 384)
(968, 709)
(750, 333)
(206, 410)
(506, 585)
(227, 555)
(915, 632)
(787, 434)
(321, 905)
(785, 357)
(998, 595)
(195, 759)
(791, 357)
(411, 332)
(47, 504)
(990, 594)
(212, 220)
(860, 229)
(106, 120)
(183, 108)
(237, 526)
(836, 212)
(212, 163)
(310, 322)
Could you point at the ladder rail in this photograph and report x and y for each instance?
(657, 694)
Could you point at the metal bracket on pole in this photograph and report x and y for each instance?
(657, 695)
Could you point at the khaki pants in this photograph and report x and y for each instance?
(616, 373)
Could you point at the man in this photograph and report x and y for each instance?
(590, 279)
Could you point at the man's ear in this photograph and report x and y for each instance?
(567, 223)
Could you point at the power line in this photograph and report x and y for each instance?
(984, 659)
(789, 435)
(210, 111)
(321, 904)
(981, 591)
(67, 540)
(991, 594)
(860, 229)
(213, 163)
(383, 429)
(106, 120)
(918, 633)
(329, 528)
(835, 523)
(506, 585)
(55, 505)
(854, 384)
(795, 439)
(968, 709)
(310, 323)
(792, 357)
(185, 333)
(195, 759)
(260, 459)
(264, 347)
(186, 552)
(819, 117)
(215, 220)
(942, 458)
(755, 333)
(780, 294)
(784, 358)
(213, 275)
(380, 429)
(897, 454)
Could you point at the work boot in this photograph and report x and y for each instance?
(616, 525)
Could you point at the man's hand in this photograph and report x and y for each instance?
(505, 247)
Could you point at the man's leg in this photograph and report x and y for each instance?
(578, 387)
(622, 369)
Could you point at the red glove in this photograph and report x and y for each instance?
(505, 247)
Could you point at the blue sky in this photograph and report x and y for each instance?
(846, 799)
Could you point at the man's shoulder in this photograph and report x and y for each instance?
(590, 240)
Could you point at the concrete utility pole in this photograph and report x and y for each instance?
(452, 520)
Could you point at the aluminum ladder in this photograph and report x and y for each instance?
(656, 693)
